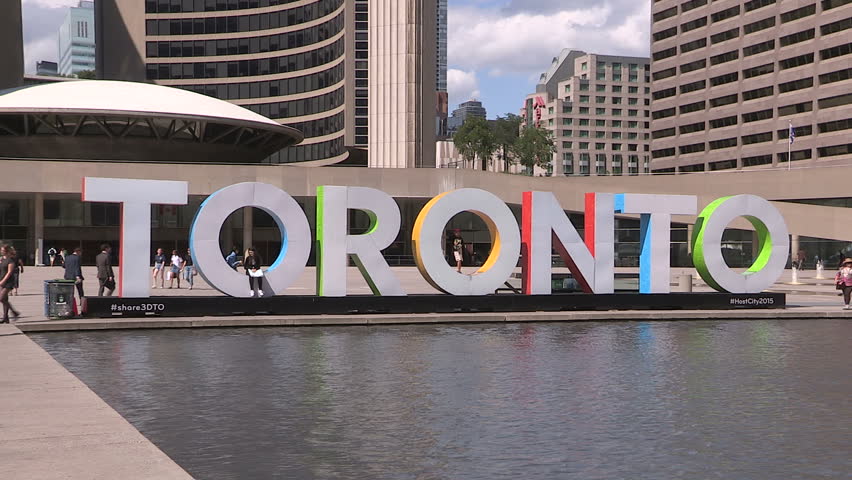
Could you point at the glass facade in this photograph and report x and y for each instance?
(284, 62)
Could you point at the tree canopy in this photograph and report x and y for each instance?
(535, 148)
(474, 139)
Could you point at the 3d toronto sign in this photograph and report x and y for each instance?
(544, 227)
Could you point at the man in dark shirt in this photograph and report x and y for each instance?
(74, 271)
(106, 278)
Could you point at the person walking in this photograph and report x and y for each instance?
(159, 264)
(51, 254)
(458, 249)
(8, 272)
(189, 269)
(843, 281)
(174, 269)
(106, 277)
(252, 264)
(74, 271)
(19, 265)
(63, 254)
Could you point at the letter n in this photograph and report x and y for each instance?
(546, 226)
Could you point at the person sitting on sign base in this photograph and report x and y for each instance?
(255, 274)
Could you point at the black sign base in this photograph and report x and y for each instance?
(103, 307)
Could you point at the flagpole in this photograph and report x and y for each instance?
(789, 146)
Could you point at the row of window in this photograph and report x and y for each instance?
(306, 153)
(178, 6)
(616, 165)
(801, 130)
(298, 108)
(270, 88)
(601, 87)
(783, 111)
(241, 23)
(765, 159)
(242, 46)
(602, 134)
(583, 122)
(617, 147)
(749, 6)
(731, 143)
(245, 68)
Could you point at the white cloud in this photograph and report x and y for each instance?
(38, 50)
(501, 41)
(462, 85)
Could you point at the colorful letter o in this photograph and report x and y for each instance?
(292, 223)
(773, 238)
(428, 233)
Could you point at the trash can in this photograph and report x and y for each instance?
(59, 298)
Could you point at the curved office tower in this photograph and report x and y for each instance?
(282, 59)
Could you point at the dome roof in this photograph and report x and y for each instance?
(127, 121)
(106, 97)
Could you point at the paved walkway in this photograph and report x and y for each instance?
(54, 427)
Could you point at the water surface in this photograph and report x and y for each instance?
(702, 399)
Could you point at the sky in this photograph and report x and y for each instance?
(497, 48)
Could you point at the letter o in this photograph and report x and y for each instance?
(772, 235)
(429, 229)
(292, 223)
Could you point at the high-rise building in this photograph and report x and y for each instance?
(77, 39)
(441, 72)
(12, 39)
(597, 109)
(304, 64)
(731, 78)
(470, 108)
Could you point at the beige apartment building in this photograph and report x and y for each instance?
(597, 108)
(306, 64)
(730, 78)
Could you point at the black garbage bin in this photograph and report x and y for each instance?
(59, 298)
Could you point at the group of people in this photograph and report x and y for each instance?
(178, 265)
(106, 276)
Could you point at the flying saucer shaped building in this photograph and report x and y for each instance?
(133, 122)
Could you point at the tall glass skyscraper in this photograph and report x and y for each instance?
(77, 39)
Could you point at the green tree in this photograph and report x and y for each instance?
(475, 140)
(506, 132)
(535, 148)
(87, 75)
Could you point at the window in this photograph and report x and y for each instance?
(837, 51)
(664, 34)
(687, 6)
(693, 45)
(663, 153)
(758, 48)
(757, 138)
(829, 4)
(723, 165)
(600, 111)
(724, 143)
(616, 123)
(798, 13)
(616, 112)
(666, 132)
(669, 52)
(724, 36)
(631, 101)
(801, 131)
(668, 92)
(836, 101)
(759, 25)
(691, 66)
(692, 25)
(724, 57)
(617, 89)
(693, 107)
(796, 85)
(830, 151)
(723, 122)
(584, 110)
(837, 76)
(755, 4)
(567, 121)
(757, 116)
(723, 79)
(693, 86)
(668, 72)
(600, 164)
(567, 144)
(725, 14)
(632, 113)
(584, 86)
(616, 100)
(584, 99)
(600, 123)
(600, 88)
(584, 122)
(584, 145)
(692, 128)
(632, 124)
(794, 109)
(794, 38)
(759, 93)
(759, 70)
(600, 146)
(796, 61)
(837, 26)
(667, 112)
(694, 148)
(584, 134)
(757, 160)
(600, 99)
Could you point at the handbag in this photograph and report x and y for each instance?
(256, 273)
(109, 284)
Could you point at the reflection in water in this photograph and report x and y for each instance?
(756, 400)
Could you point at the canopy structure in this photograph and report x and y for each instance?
(136, 122)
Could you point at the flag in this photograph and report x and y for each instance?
(792, 134)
